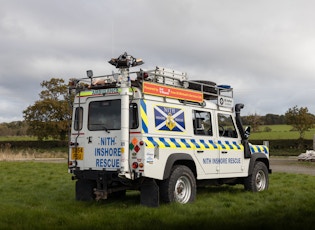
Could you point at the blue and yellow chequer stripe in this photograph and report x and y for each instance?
(227, 145)
(144, 116)
(200, 144)
(259, 149)
(192, 144)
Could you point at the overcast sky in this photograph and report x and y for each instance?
(264, 49)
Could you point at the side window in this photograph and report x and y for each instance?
(78, 118)
(226, 126)
(202, 123)
(133, 116)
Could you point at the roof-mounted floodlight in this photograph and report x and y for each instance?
(125, 61)
(89, 73)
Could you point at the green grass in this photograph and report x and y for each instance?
(279, 132)
(17, 138)
(37, 195)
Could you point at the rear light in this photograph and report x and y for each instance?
(140, 165)
(134, 165)
(72, 164)
(142, 74)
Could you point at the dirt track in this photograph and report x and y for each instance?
(291, 165)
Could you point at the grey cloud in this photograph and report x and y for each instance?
(265, 49)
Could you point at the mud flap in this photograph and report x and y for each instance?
(149, 195)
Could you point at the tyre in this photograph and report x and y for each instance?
(259, 180)
(179, 187)
(84, 190)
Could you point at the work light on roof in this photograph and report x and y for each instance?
(125, 61)
(89, 73)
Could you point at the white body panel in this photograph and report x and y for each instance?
(166, 128)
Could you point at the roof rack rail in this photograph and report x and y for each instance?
(179, 79)
(168, 77)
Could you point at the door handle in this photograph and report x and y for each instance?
(200, 151)
(224, 152)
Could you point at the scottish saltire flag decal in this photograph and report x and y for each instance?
(169, 119)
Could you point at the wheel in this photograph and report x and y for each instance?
(259, 180)
(179, 187)
(84, 190)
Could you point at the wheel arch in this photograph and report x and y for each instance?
(179, 159)
(258, 157)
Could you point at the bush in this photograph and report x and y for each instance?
(32, 144)
(267, 129)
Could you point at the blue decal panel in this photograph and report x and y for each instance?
(169, 119)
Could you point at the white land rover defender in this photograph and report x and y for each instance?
(157, 132)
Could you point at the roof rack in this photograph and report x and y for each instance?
(163, 76)
(179, 79)
(167, 77)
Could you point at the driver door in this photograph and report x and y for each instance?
(229, 142)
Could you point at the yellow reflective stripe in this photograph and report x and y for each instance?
(86, 93)
(191, 144)
(144, 116)
(235, 147)
(172, 145)
(160, 143)
(149, 144)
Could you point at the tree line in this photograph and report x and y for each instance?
(268, 119)
(49, 117)
(14, 128)
(298, 117)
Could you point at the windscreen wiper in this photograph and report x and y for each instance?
(106, 129)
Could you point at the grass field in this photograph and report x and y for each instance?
(279, 132)
(37, 195)
(17, 138)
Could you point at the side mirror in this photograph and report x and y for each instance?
(247, 132)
